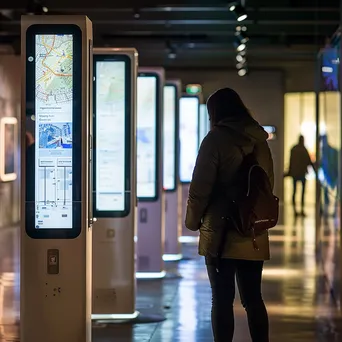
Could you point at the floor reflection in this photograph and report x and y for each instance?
(300, 290)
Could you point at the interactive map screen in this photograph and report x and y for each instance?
(147, 137)
(53, 130)
(110, 136)
(188, 136)
(169, 137)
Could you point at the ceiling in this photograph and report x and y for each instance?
(194, 33)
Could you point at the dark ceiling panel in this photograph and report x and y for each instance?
(201, 32)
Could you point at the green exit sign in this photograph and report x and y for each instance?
(193, 89)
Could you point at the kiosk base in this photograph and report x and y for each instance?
(138, 319)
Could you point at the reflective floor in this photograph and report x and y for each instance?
(301, 290)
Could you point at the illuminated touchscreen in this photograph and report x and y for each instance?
(169, 138)
(53, 130)
(110, 136)
(188, 136)
(147, 137)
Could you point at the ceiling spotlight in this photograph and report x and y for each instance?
(36, 7)
(241, 28)
(239, 11)
(240, 58)
(242, 72)
(240, 65)
(240, 47)
(136, 14)
(232, 8)
(243, 38)
(171, 51)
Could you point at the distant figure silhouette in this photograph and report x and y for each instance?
(299, 162)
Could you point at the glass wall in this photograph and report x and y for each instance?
(300, 119)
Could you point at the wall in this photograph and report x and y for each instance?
(263, 93)
(9, 106)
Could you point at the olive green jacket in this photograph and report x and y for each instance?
(214, 179)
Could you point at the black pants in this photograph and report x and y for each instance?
(295, 181)
(248, 275)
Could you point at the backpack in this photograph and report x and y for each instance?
(254, 209)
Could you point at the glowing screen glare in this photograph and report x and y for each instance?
(169, 137)
(146, 136)
(188, 136)
(110, 136)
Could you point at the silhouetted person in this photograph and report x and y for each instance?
(234, 133)
(299, 162)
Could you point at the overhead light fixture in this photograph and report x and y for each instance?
(241, 28)
(36, 7)
(242, 36)
(242, 72)
(241, 47)
(240, 58)
(171, 51)
(136, 13)
(239, 11)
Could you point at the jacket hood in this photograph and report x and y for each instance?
(244, 131)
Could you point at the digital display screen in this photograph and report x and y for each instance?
(169, 137)
(204, 124)
(147, 112)
(8, 149)
(330, 68)
(54, 125)
(188, 136)
(272, 132)
(110, 135)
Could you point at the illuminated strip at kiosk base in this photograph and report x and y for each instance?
(172, 257)
(115, 317)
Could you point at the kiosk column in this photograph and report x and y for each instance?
(115, 84)
(173, 193)
(189, 144)
(151, 205)
(56, 216)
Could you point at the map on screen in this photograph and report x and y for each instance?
(169, 154)
(110, 136)
(54, 111)
(146, 136)
(188, 136)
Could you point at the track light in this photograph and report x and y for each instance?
(36, 7)
(241, 28)
(242, 72)
(240, 46)
(239, 11)
(242, 36)
(171, 51)
(240, 58)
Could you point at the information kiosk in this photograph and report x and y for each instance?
(189, 106)
(114, 196)
(151, 200)
(56, 205)
(173, 193)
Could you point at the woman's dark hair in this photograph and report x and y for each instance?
(226, 103)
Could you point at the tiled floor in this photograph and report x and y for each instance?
(302, 300)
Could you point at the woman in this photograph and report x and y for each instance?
(233, 133)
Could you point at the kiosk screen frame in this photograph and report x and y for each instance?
(34, 214)
(175, 139)
(126, 191)
(156, 135)
(187, 179)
